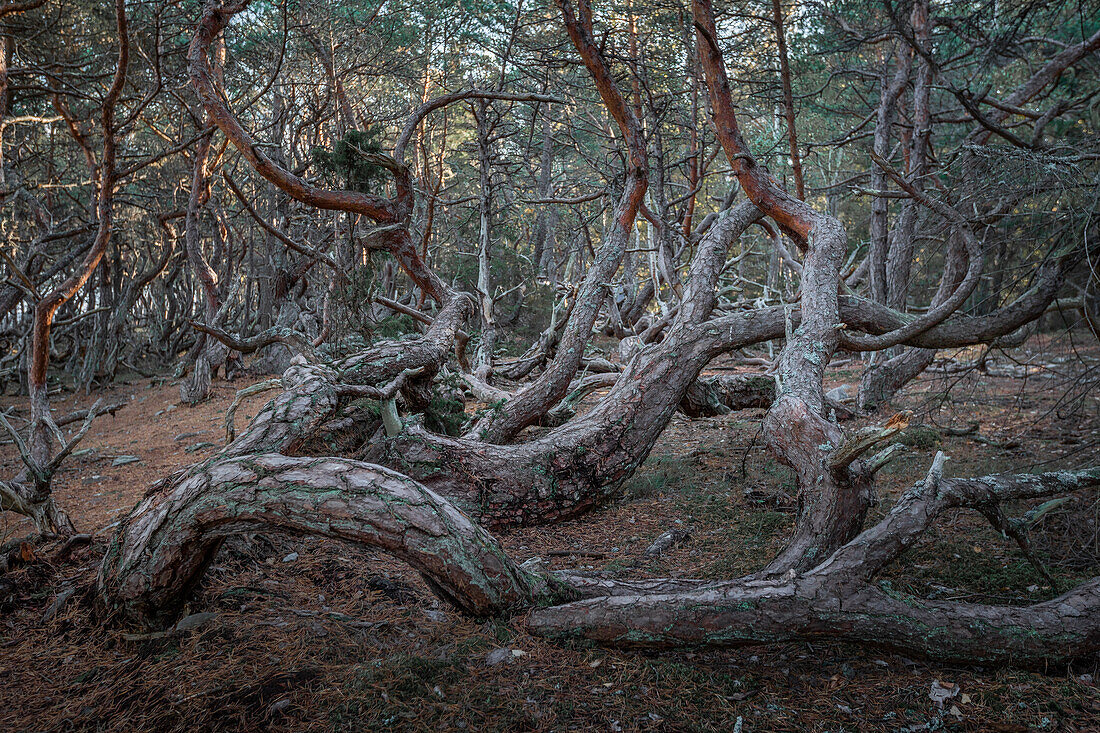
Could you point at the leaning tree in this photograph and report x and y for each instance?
(342, 452)
(44, 450)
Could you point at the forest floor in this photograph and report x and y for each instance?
(304, 634)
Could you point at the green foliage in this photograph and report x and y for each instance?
(922, 437)
(445, 415)
(350, 160)
(662, 474)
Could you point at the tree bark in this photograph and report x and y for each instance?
(533, 401)
(166, 543)
(31, 489)
(836, 600)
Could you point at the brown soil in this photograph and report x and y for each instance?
(338, 638)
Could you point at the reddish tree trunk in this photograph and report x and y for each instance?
(33, 485)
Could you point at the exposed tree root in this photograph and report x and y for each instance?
(167, 542)
(837, 600)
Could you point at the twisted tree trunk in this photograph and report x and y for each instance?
(581, 464)
(30, 492)
(833, 495)
(837, 600)
(166, 543)
(536, 399)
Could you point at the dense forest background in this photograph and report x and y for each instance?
(323, 86)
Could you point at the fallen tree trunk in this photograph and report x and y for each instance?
(838, 601)
(166, 543)
(804, 609)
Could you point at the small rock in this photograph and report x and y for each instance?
(291, 557)
(278, 706)
(199, 446)
(941, 692)
(433, 615)
(498, 656)
(185, 436)
(195, 621)
(123, 460)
